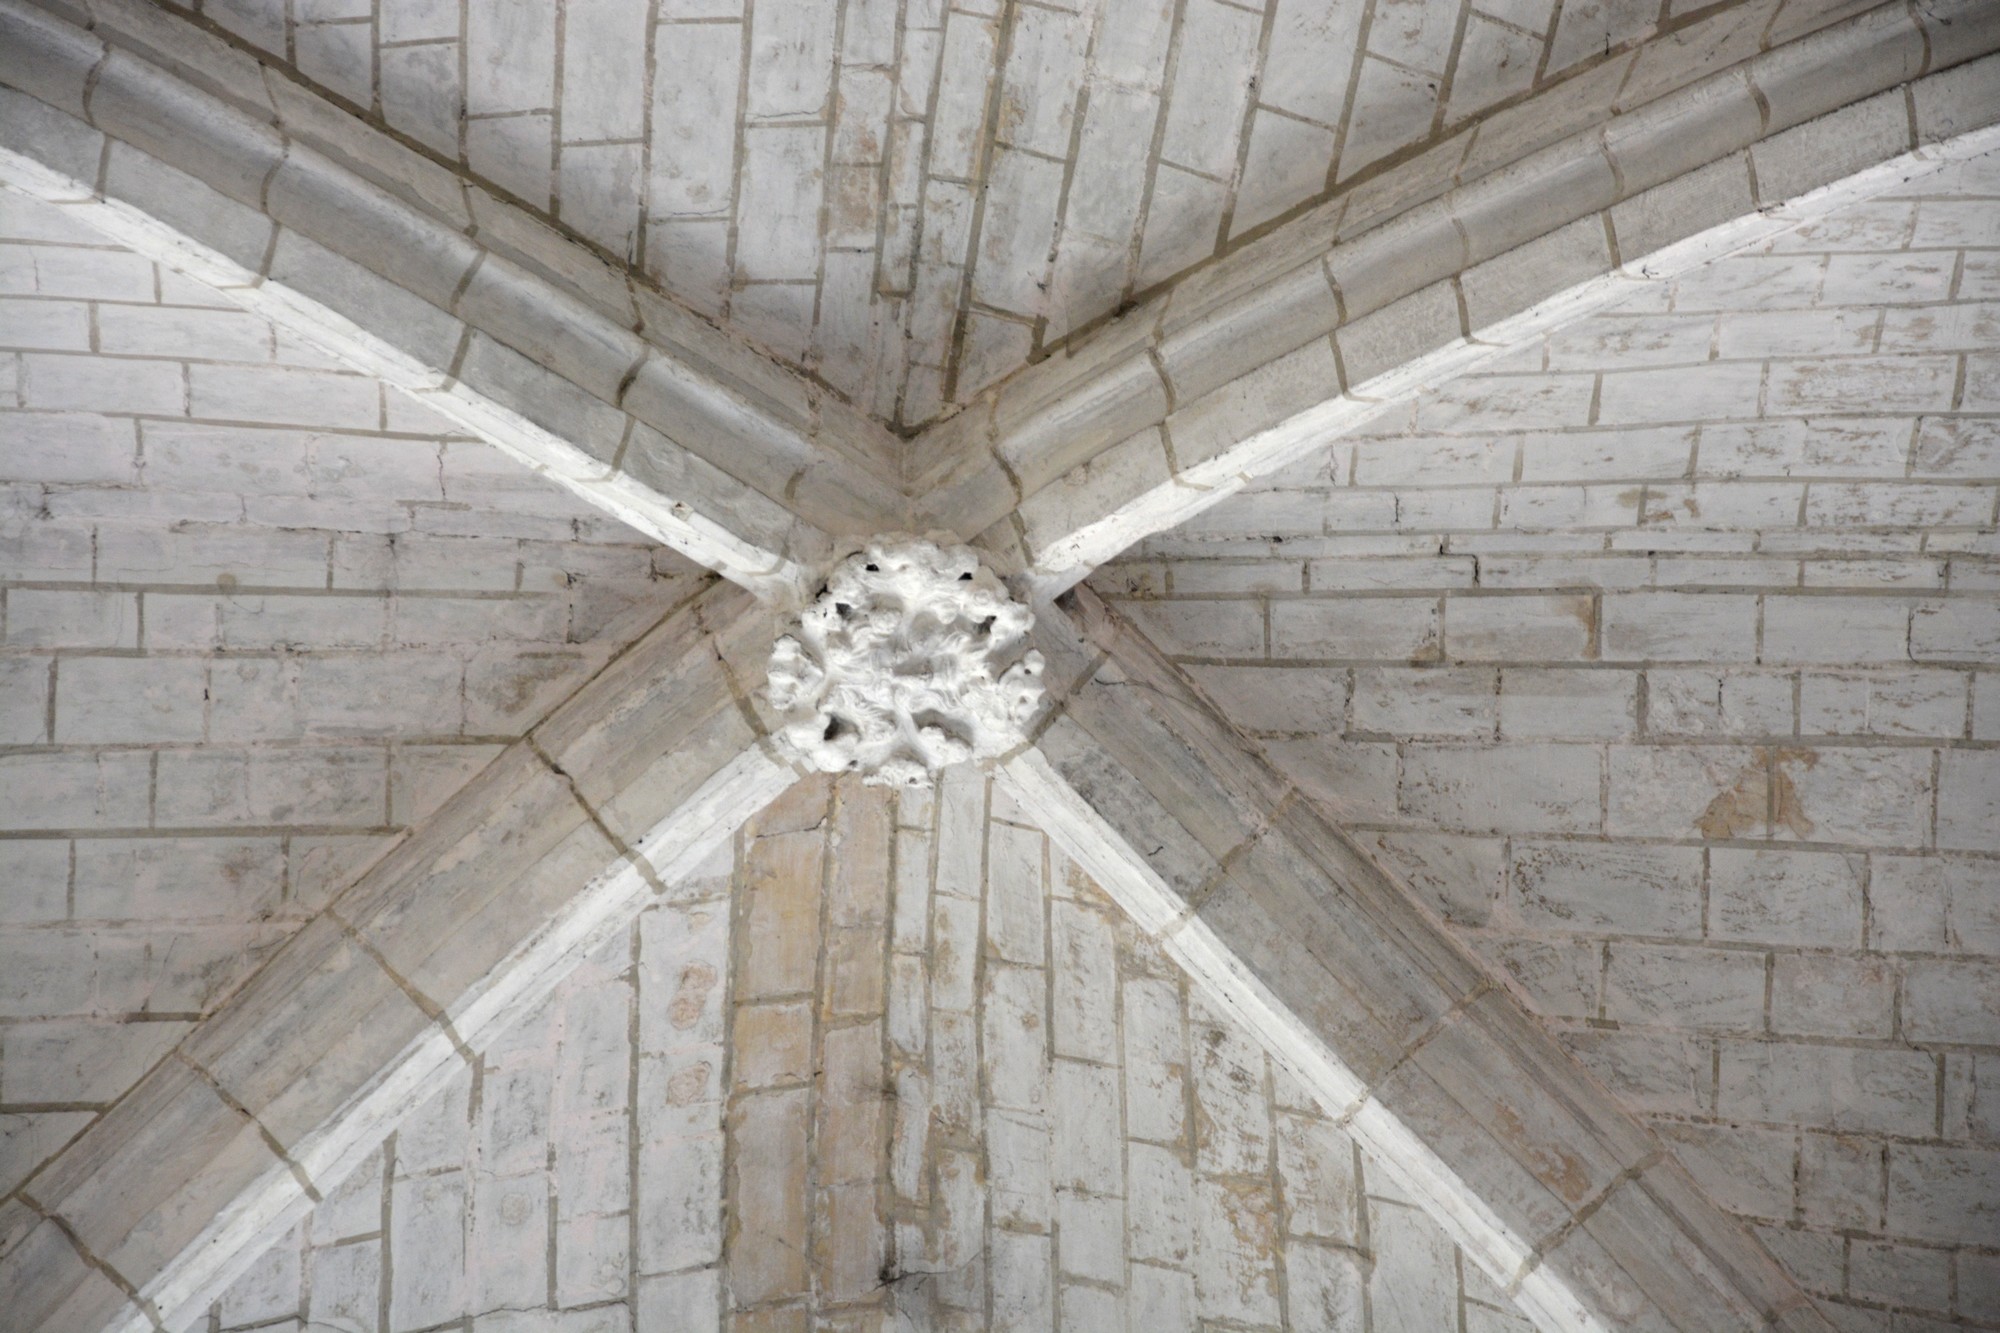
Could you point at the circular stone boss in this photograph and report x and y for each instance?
(909, 661)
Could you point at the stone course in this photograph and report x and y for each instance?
(249, 638)
(890, 1061)
(1655, 661)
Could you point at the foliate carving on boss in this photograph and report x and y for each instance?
(909, 661)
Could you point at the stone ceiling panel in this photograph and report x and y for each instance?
(262, 614)
(890, 1061)
(1659, 660)
(912, 199)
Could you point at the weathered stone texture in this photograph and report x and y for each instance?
(1661, 682)
(254, 628)
(888, 1124)
(988, 178)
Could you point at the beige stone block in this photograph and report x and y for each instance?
(1275, 317)
(859, 888)
(851, 1256)
(1145, 823)
(783, 874)
(1116, 477)
(1266, 914)
(668, 784)
(1515, 1143)
(772, 1044)
(854, 980)
(767, 1244)
(852, 1107)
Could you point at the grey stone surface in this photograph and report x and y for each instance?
(1724, 825)
(1523, 601)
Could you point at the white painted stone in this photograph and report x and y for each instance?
(908, 662)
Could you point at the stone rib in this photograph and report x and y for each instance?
(1531, 1165)
(561, 841)
(1176, 407)
(193, 153)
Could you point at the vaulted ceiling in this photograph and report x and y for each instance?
(1510, 839)
(911, 199)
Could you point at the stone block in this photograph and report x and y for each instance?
(1785, 897)
(1548, 265)
(1955, 631)
(1558, 704)
(80, 1062)
(426, 1251)
(513, 864)
(1951, 1000)
(1907, 703)
(382, 306)
(170, 878)
(1093, 495)
(1389, 262)
(1667, 1072)
(1298, 963)
(1840, 1182)
(1385, 339)
(1881, 49)
(53, 1285)
(1747, 1172)
(1299, 700)
(214, 787)
(108, 700)
(1942, 1194)
(44, 619)
(38, 871)
(240, 231)
(46, 325)
(1590, 887)
(1682, 132)
(542, 397)
(1851, 139)
(1418, 702)
(78, 383)
(76, 790)
(1934, 904)
(1387, 628)
(1838, 1088)
(1234, 1264)
(1873, 797)
(157, 1171)
(1155, 1066)
(1677, 986)
(1240, 337)
(277, 1054)
(1698, 702)
(1707, 196)
(1205, 430)
(1522, 788)
(1676, 791)
(1957, 100)
(1816, 995)
(1518, 628)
